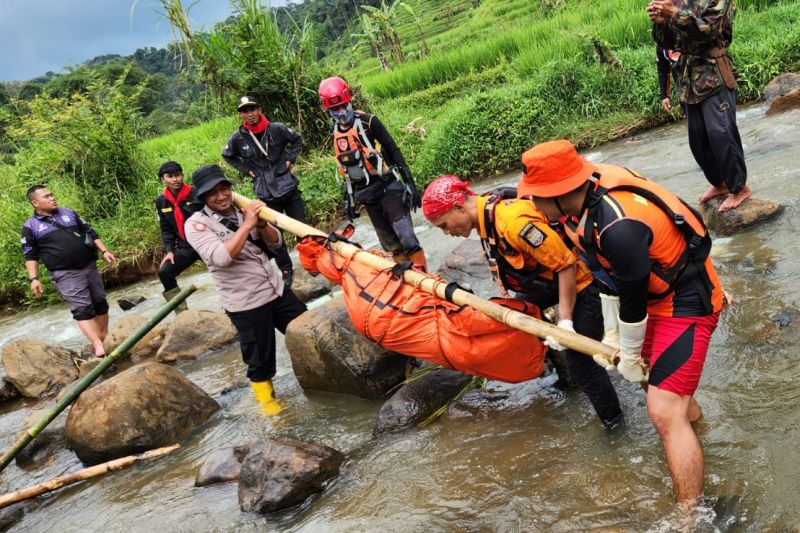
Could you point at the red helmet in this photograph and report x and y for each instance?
(333, 92)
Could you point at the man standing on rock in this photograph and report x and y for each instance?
(266, 152)
(526, 256)
(175, 205)
(656, 250)
(68, 247)
(233, 244)
(701, 30)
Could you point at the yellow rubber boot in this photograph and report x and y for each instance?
(265, 396)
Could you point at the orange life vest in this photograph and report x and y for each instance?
(681, 242)
(356, 158)
(411, 322)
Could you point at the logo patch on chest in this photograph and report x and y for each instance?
(532, 235)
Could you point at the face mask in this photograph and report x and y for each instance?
(344, 116)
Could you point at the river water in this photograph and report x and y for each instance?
(530, 458)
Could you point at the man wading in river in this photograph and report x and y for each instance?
(701, 30)
(233, 246)
(266, 152)
(529, 258)
(375, 173)
(176, 204)
(68, 247)
(656, 250)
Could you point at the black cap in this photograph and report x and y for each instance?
(246, 101)
(206, 178)
(170, 167)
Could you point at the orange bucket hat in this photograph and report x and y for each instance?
(552, 169)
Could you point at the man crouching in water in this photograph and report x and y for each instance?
(656, 249)
(528, 257)
(232, 244)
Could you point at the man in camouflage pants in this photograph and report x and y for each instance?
(701, 30)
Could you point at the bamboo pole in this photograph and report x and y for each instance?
(80, 475)
(431, 285)
(83, 384)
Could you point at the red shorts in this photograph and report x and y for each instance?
(676, 349)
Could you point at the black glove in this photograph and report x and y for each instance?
(411, 196)
(349, 208)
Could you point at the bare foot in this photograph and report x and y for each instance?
(713, 192)
(735, 200)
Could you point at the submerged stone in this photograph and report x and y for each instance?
(129, 302)
(417, 400)
(784, 318)
(221, 466)
(751, 213)
(328, 354)
(47, 443)
(279, 473)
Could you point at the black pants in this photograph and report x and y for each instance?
(587, 319)
(185, 256)
(256, 331)
(292, 204)
(392, 221)
(715, 142)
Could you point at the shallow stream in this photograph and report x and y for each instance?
(534, 460)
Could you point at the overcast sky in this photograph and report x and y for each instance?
(37, 36)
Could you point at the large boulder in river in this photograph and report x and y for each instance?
(147, 406)
(417, 400)
(328, 354)
(781, 86)
(467, 266)
(125, 327)
(38, 369)
(751, 213)
(221, 466)
(194, 332)
(279, 473)
(782, 104)
(307, 287)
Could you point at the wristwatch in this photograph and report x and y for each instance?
(34, 278)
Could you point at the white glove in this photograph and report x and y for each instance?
(631, 339)
(552, 342)
(610, 307)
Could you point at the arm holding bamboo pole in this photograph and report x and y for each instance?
(435, 286)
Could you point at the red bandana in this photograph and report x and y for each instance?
(176, 209)
(258, 128)
(444, 193)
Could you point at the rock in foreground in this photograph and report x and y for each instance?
(328, 354)
(751, 213)
(307, 287)
(782, 104)
(47, 443)
(780, 86)
(37, 369)
(467, 266)
(221, 466)
(414, 402)
(147, 406)
(8, 392)
(194, 332)
(279, 473)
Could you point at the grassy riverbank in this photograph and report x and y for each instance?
(501, 77)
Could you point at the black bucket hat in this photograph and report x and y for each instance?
(206, 178)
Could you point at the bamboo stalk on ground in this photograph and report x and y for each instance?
(80, 475)
(83, 384)
(434, 286)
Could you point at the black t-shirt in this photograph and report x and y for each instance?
(59, 249)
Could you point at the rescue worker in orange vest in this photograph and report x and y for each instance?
(375, 173)
(526, 256)
(656, 249)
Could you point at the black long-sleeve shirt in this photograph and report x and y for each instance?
(170, 236)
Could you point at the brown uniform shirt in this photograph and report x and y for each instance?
(244, 283)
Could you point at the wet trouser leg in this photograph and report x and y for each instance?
(587, 319)
(185, 256)
(700, 144)
(292, 204)
(719, 116)
(392, 222)
(256, 332)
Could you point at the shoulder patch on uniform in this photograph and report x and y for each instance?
(199, 226)
(532, 235)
